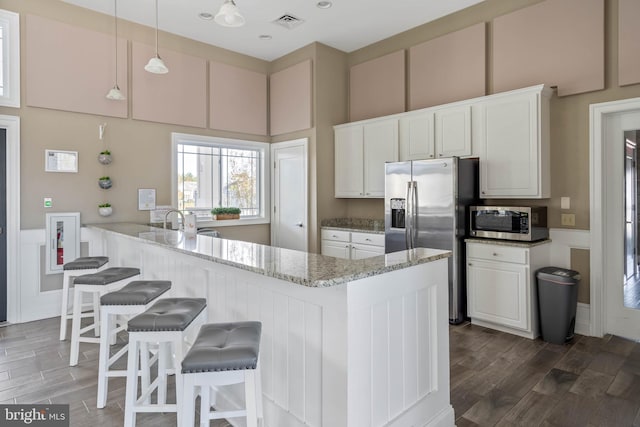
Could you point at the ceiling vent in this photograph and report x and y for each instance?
(288, 21)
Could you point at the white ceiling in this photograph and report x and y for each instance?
(348, 25)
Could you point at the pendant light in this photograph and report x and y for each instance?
(229, 15)
(115, 94)
(156, 64)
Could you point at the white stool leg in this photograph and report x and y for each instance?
(75, 327)
(205, 405)
(103, 360)
(96, 313)
(64, 309)
(250, 397)
(258, 386)
(145, 369)
(188, 397)
(131, 395)
(164, 358)
(178, 354)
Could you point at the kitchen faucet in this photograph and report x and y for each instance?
(167, 214)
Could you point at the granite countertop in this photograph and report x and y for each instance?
(354, 224)
(513, 243)
(303, 268)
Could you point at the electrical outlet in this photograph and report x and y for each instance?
(568, 219)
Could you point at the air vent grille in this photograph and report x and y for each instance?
(288, 21)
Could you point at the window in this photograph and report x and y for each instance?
(9, 59)
(211, 172)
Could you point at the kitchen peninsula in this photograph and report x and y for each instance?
(344, 342)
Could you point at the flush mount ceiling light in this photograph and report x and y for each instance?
(324, 4)
(206, 16)
(264, 37)
(156, 64)
(229, 15)
(115, 94)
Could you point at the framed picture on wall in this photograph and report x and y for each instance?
(60, 161)
(146, 199)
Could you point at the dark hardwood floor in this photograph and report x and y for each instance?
(499, 379)
(496, 379)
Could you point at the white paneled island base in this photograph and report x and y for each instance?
(344, 343)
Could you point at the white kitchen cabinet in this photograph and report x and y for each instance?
(416, 137)
(349, 161)
(361, 151)
(453, 131)
(514, 144)
(501, 292)
(351, 245)
(436, 132)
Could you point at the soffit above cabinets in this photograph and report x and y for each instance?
(347, 25)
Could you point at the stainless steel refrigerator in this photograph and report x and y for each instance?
(426, 205)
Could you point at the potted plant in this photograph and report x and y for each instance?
(105, 182)
(105, 157)
(226, 213)
(105, 209)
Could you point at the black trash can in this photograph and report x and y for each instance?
(557, 303)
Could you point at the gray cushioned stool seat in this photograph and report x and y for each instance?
(139, 292)
(86, 262)
(170, 314)
(224, 347)
(107, 276)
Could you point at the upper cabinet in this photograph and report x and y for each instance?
(453, 131)
(361, 150)
(436, 132)
(514, 144)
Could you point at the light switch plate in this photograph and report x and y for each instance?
(568, 219)
(565, 202)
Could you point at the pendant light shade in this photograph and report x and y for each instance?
(115, 94)
(156, 65)
(229, 15)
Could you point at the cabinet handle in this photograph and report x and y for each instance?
(368, 194)
(483, 192)
(470, 265)
(333, 235)
(496, 254)
(431, 155)
(367, 239)
(361, 194)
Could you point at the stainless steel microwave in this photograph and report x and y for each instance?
(509, 222)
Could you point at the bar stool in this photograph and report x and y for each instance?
(167, 323)
(75, 268)
(116, 307)
(96, 284)
(223, 354)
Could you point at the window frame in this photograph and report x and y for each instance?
(265, 179)
(10, 22)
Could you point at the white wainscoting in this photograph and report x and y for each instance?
(562, 240)
(35, 304)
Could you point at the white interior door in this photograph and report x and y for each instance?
(289, 211)
(619, 320)
(630, 210)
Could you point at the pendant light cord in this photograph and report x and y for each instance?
(157, 56)
(115, 18)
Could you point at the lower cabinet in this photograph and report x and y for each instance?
(351, 245)
(501, 291)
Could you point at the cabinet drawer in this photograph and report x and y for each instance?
(368, 238)
(498, 253)
(337, 235)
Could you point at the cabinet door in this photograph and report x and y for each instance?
(509, 165)
(335, 249)
(349, 163)
(497, 292)
(365, 251)
(453, 131)
(416, 137)
(380, 146)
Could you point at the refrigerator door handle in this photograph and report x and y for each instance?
(407, 217)
(414, 214)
